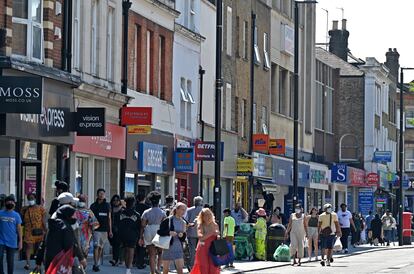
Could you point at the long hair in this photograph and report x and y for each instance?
(178, 205)
(203, 213)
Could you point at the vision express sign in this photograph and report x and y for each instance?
(21, 94)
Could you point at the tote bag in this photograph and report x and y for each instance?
(161, 241)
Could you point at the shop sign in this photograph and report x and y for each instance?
(318, 176)
(277, 146)
(339, 173)
(381, 201)
(135, 129)
(184, 160)
(356, 177)
(365, 200)
(51, 122)
(244, 167)
(112, 145)
(152, 158)
(136, 116)
(21, 94)
(263, 165)
(382, 156)
(205, 151)
(89, 122)
(373, 179)
(261, 143)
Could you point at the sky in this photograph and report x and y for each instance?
(374, 26)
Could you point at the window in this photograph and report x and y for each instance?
(319, 106)
(266, 57)
(99, 173)
(183, 102)
(291, 93)
(227, 106)
(110, 44)
(94, 38)
(149, 62)
(190, 92)
(138, 56)
(161, 67)
(81, 177)
(329, 109)
(274, 88)
(378, 99)
(243, 118)
(192, 15)
(264, 120)
(76, 34)
(245, 42)
(189, 104)
(229, 31)
(28, 29)
(254, 119)
(256, 48)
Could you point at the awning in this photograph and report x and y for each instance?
(319, 186)
(268, 186)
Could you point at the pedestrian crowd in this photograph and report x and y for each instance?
(141, 231)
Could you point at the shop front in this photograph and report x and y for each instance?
(356, 180)
(318, 186)
(34, 148)
(264, 186)
(149, 163)
(95, 162)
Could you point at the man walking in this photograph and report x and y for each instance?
(102, 211)
(191, 218)
(60, 188)
(345, 221)
(239, 215)
(387, 224)
(328, 226)
(368, 220)
(140, 207)
(228, 231)
(10, 231)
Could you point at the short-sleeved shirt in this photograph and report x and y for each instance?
(154, 216)
(325, 218)
(8, 227)
(238, 216)
(101, 212)
(344, 218)
(231, 224)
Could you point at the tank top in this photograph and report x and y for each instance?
(297, 224)
(313, 222)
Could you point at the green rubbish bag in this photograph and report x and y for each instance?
(282, 253)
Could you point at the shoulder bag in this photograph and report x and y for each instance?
(327, 230)
(35, 231)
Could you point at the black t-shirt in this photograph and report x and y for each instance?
(102, 211)
(140, 208)
(129, 225)
(53, 206)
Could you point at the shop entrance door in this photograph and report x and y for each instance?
(143, 190)
(31, 182)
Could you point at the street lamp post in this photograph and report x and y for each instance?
(400, 197)
(296, 103)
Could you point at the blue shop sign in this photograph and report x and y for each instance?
(365, 200)
(382, 156)
(152, 158)
(339, 173)
(283, 173)
(184, 160)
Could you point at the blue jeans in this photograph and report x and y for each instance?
(9, 258)
(388, 235)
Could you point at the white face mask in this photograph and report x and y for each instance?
(81, 204)
(298, 210)
(31, 202)
(329, 210)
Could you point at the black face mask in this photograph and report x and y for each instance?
(9, 206)
(72, 221)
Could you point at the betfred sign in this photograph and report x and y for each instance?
(21, 94)
(136, 116)
(205, 151)
(89, 122)
(373, 179)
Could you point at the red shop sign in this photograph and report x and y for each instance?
(261, 143)
(136, 116)
(357, 177)
(112, 145)
(373, 179)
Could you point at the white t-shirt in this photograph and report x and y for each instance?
(344, 218)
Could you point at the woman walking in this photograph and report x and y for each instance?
(312, 224)
(296, 229)
(34, 219)
(115, 241)
(150, 223)
(207, 231)
(174, 226)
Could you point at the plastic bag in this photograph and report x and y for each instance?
(338, 245)
(282, 253)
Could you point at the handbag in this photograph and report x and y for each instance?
(78, 270)
(219, 260)
(35, 231)
(327, 230)
(161, 241)
(219, 247)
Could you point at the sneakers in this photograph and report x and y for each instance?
(128, 271)
(323, 262)
(316, 258)
(346, 250)
(328, 263)
(310, 259)
(95, 268)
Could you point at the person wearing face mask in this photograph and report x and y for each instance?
(11, 230)
(313, 235)
(297, 230)
(87, 223)
(60, 241)
(328, 226)
(34, 217)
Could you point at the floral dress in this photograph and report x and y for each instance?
(87, 223)
(33, 217)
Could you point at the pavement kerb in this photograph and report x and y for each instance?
(336, 256)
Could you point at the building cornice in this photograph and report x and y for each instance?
(196, 37)
(168, 8)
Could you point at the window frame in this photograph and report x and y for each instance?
(94, 37)
(266, 57)
(229, 31)
(244, 39)
(256, 48)
(189, 92)
(110, 31)
(76, 34)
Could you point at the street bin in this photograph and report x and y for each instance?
(275, 237)
(406, 228)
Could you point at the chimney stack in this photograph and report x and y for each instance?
(338, 42)
(392, 62)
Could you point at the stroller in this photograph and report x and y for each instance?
(244, 242)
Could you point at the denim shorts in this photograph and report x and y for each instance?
(327, 242)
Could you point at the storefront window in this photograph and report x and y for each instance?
(81, 180)
(208, 188)
(29, 150)
(48, 173)
(99, 174)
(129, 184)
(161, 183)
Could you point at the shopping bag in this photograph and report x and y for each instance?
(226, 259)
(62, 263)
(219, 247)
(282, 253)
(161, 241)
(338, 245)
